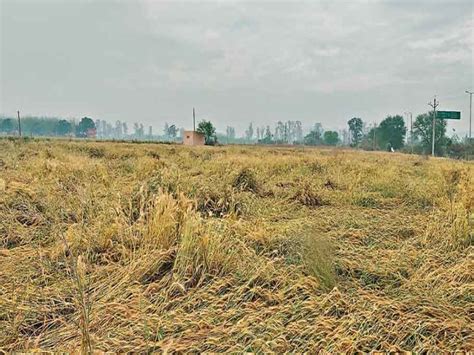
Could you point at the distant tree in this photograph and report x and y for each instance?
(104, 129)
(139, 130)
(150, 131)
(84, 125)
(280, 132)
(313, 138)
(268, 133)
(125, 129)
(356, 126)
(230, 133)
(423, 131)
(391, 131)
(298, 132)
(370, 141)
(318, 127)
(209, 131)
(7, 125)
(64, 128)
(170, 131)
(344, 133)
(331, 138)
(173, 131)
(118, 129)
(267, 136)
(109, 130)
(249, 132)
(98, 127)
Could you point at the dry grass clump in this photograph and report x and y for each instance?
(223, 202)
(246, 180)
(137, 248)
(309, 196)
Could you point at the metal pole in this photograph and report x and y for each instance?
(470, 113)
(434, 105)
(406, 137)
(375, 129)
(410, 141)
(434, 129)
(19, 123)
(194, 120)
(470, 116)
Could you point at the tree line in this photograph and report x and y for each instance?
(83, 128)
(391, 134)
(47, 126)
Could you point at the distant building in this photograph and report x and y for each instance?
(193, 138)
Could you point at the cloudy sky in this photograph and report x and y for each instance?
(236, 62)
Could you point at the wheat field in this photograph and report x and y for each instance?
(127, 247)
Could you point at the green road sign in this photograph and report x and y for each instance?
(448, 115)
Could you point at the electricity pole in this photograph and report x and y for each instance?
(434, 105)
(470, 114)
(194, 120)
(19, 123)
(375, 129)
(411, 132)
(410, 141)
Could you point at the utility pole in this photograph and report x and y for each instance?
(19, 123)
(375, 129)
(434, 105)
(411, 132)
(470, 114)
(411, 128)
(410, 141)
(194, 120)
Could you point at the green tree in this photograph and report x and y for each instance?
(230, 133)
(249, 132)
(209, 131)
(7, 125)
(331, 138)
(391, 131)
(172, 131)
(423, 130)
(313, 138)
(63, 127)
(267, 136)
(84, 125)
(371, 141)
(356, 126)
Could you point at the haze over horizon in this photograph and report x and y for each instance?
(236, 62)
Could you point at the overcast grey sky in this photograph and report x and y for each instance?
(235, 61)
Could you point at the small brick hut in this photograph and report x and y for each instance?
(193, 138)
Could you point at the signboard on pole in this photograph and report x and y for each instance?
(448, 115)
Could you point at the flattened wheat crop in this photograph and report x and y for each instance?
(122, 247)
